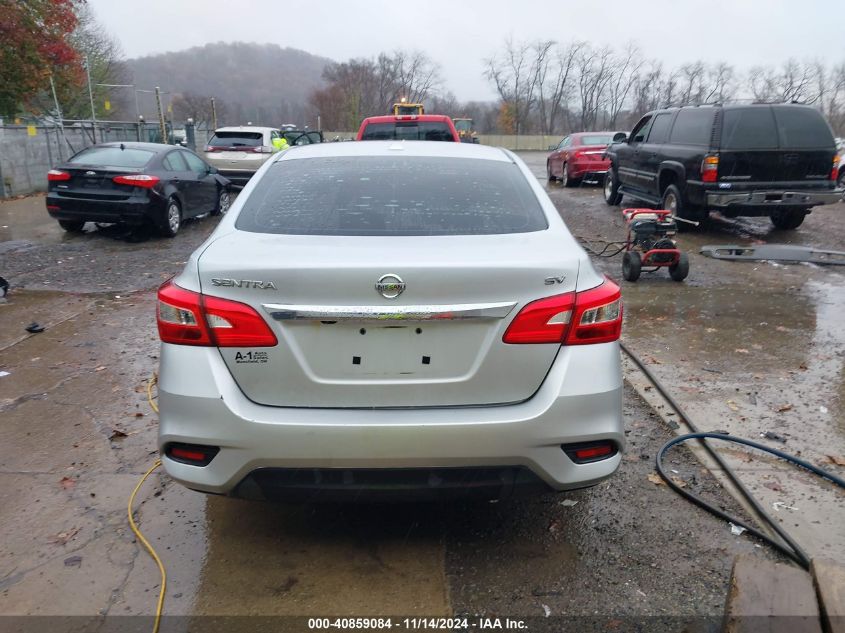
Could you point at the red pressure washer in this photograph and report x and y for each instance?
(649, 244)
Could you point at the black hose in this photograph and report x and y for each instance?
(791, 549)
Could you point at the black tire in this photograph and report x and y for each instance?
(673, 200)
(840, 182)
(224, 201)
(788, 218)
(679, 271)
(632, 265)
(565, 180)
(172, 220)
(611, 188)
(72, 226)
(549, 175)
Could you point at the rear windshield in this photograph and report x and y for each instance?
(389, 195)
(749, 128)
(113, 157)
(596, 140)
(802, 128)
(411, 131)
(236, 139)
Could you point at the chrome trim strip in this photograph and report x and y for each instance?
(461, 311)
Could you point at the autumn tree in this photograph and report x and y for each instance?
(34, 44)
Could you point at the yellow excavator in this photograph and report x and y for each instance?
(403, 108)
(466, 129)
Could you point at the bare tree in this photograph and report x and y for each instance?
(720, 83)
(623, 71)
(594, 73)
(515, 77)
(416, 75)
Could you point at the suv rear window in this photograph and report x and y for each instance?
(236, 139)
(749, 128)
(411, 131)
(802, 128)
(113, 157)
(389, 195)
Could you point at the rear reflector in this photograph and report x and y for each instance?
(591, 316)
(586, 452)
(57, 174)
(137, 180)
(193, 454)
(190, 318)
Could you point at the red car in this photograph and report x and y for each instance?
(408, 127)
(578, 156)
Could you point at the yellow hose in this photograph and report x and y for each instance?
(144, 542)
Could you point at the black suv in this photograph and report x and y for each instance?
(742, 160)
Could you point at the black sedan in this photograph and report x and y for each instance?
(135, 184)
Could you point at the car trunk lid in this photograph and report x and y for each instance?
(343, 343)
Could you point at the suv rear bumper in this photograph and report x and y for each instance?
(579, 401)
(772, 198)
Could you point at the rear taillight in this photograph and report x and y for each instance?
(710, 169)
(211, 148)
(263, 149)
(592, 316)
(190, 318)
(834, 172)
(57, 174)
(137, 180)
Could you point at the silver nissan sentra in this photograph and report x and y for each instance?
(391, 320)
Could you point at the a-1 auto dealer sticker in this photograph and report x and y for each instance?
(251, 357)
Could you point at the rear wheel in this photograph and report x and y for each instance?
(549, 175)
(680, 270)
(565, 178)
(172, 219)
(673, 200)
(840, 183)
(72, 226)
(632, 265)
(224, 201)
(788, 218)
(611, 188)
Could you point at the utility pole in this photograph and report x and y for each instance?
(91, 97)
(161, 125)
(213, 114)
(58, 114)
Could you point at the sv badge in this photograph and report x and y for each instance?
(551, 281)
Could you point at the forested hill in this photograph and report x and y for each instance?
(264, 83)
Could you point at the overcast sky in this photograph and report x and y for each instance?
(459, 34)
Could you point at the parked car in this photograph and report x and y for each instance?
(744, 160)
(408, 127)
(413, 319)
(238, 152)
(296, 136)
(840, 180)
(135, 183)
(579, 156)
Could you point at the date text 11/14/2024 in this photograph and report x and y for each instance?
(419, 624)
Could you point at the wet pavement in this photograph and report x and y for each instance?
(747, 347)
(77, 432)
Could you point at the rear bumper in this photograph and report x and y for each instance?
(580, 401)
(238, 177)
(133, 210)
(588, 169)
(763, 199)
